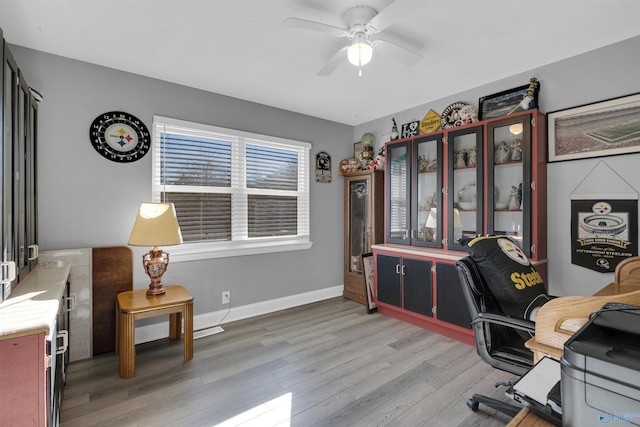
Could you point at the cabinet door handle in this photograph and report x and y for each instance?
(64, 335)
(10, 268)
(406, 234)
(397, 268)
(33, 252)
(403, 267)
(71, 302)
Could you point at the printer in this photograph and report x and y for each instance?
(600, 369)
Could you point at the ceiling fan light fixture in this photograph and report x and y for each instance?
(361, 51)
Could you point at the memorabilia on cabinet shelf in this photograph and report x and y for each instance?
(458, 114)
(358, 148)
(430, 122)
(510, 101)
(575, 134)
(323, 167)
(501, 154)
(410, 129)
(394, 131)
(368, 140)
(465, 158)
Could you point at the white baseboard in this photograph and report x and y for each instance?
(208, 320)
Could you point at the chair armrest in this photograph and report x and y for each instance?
(510, 322)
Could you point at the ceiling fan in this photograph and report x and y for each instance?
(361, 23)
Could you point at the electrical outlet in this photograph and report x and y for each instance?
(226, 297)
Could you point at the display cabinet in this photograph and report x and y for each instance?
(414, 192)
(18, 232)
(363, 226)
(517, 171)
(488, 177)
(465, 172)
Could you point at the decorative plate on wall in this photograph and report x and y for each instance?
(119, 136)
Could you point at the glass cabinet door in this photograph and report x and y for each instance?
(427, 191)
(397, 189)
(359, 222)
(509, 173)
(465, 205)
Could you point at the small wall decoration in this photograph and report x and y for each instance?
(410, 129)
(510, 101)
(601, 129)
(458, 114)
(323, 167)
(430, 122)
(604, 230)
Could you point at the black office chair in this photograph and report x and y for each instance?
(499, 338)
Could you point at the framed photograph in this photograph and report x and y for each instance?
(603, 128)
(507, 102)
(357, 150)
(367, 266)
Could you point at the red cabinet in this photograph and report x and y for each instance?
(481, 179)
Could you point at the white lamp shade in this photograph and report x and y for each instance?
(360, 52)
(156, 225)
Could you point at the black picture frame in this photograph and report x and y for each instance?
(505, 102)
(574, 133)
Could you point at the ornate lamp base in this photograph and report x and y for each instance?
(155, 264)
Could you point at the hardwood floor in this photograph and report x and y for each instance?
(323, 364)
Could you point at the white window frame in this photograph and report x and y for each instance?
(240, 243)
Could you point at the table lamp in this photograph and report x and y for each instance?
(156, 225)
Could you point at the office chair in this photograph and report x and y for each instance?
(499, 338)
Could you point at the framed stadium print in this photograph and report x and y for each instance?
(603, 128)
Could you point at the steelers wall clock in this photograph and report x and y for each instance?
(120, 136)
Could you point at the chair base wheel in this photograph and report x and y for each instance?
(472, 404)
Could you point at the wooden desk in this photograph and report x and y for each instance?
(527, 418)
(625, 289)
(560, 318)
(134, 305)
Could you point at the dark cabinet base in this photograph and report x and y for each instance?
(407, 286)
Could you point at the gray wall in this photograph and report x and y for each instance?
(594, 76)
(88, 201)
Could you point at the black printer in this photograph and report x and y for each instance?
(600, 369)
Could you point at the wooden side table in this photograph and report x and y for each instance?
(134, 305)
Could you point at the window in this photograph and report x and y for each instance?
(235, 193)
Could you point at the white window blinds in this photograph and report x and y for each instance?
(231, 186)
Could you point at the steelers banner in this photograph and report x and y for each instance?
(603, 233)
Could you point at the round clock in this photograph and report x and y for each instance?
(119, 136)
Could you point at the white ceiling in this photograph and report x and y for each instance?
(241, 49)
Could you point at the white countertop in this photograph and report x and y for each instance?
(33, 305)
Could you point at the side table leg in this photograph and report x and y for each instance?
(127, 345)
(188, 331)
(175, 326)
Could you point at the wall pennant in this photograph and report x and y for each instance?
(604, 220)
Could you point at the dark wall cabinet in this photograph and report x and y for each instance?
(485, 178)
(18, 226)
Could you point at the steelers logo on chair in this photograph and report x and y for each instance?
(512, 279)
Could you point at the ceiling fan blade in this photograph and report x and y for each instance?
(339, 57)
(391, 14)
(314, 26)
(397, 52)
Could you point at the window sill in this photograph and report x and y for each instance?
(201, 251)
